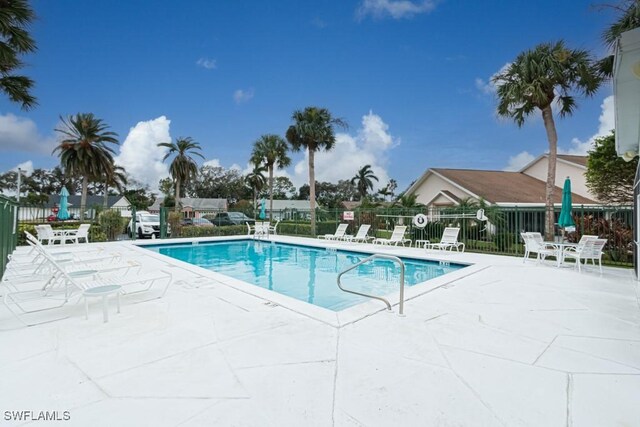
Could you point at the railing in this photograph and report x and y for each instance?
(8, 230)
(372, 257)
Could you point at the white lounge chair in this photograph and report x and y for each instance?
(39, 266)
(590, 250)
(361, 235)
(339, 234)
(533, 243)
(449, 240)
(397, 236)
(64, 285)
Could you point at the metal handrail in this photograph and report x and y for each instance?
(374, 256)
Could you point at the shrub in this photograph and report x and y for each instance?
(227, 230)
(504, 241)
(175, 222)
(111, 223)
(304, 229)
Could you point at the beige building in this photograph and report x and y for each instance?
(440, 187)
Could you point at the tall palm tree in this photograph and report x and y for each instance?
(15, 17)
(537, 78)
(256, 180)
(364, 180)
(313, 130)
(628, 19)
(270, 150)
(183, 166)
(85, 150)
(116, 177)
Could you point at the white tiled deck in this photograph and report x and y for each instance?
(511, 344)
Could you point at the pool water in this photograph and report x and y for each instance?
(302, 272)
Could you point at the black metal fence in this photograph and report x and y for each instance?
(497, 233)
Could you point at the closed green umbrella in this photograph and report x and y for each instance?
(566, 219)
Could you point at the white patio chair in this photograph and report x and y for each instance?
(339, 234)
(273, 229)
(81, 233)
(580, 243)
(361, 235)
(397, 236)
(591, 250)
(533, 243)
(261, 229)
(449, 240)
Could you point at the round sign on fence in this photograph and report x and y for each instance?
(420, 220)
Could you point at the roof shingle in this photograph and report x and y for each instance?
(505, 187)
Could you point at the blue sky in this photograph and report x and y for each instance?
(410, 78)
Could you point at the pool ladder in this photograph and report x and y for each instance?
(372, 257)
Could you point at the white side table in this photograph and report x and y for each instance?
(104, 292)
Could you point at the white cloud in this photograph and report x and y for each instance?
(488, 87)
(21, 134)
(209, 64)
(240, 96)
(140, 154)
(369, 147)
(26, 167)
(518, 161)
(214, 163)
(396, 9)
(607, 124)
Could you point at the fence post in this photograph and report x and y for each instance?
(582, 220)
(134, 227)
(163, 222)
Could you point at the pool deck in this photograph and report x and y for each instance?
(512, 344)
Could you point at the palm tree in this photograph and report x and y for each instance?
(85, 150)
(116, 177)
(364, 180)
(534, 81)
(182, 167)
(15, 17)
(409, 201)
(256, 181)
(270, 150)
(628, 20)
(313, 130)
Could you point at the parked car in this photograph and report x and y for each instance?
(231, 218)
(147, 225)
(196, 222)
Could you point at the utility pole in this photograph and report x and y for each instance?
(19, 183)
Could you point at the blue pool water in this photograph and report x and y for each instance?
(305, 273)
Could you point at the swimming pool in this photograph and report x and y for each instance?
(303, 272)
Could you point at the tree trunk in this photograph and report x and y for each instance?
(552, 137)
(270, 191)
(105, 203)
(312, 191)
(255, 203)
(177, 197)
(83, 198)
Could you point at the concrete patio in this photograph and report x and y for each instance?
(510, 345)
